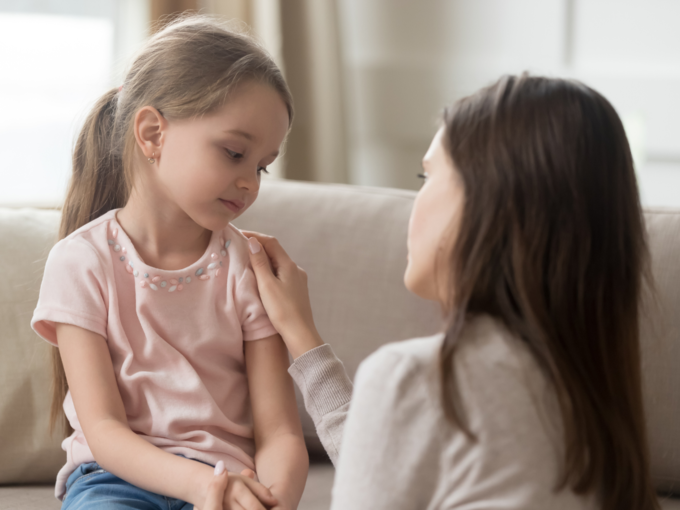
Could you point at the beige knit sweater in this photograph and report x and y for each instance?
(393, 448)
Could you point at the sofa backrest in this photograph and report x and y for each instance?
(27, 453)
(352, 242)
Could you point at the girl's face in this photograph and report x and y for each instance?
(434, 223)
(210, 166)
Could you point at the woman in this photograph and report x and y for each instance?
(528, 231)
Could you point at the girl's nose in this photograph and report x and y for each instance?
(249, 181)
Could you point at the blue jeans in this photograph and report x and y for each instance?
(90, 487)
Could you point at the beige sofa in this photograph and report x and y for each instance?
(352, 241)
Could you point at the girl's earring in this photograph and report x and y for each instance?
(151, 159)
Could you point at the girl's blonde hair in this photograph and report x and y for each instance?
(185, 70)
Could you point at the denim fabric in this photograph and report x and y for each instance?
(91, 487)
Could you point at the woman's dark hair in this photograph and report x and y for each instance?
(552, 244)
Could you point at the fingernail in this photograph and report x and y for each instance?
(254, 245)
(219, 468)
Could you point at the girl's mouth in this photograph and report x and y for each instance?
(233, 205)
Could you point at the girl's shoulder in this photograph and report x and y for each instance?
(238, 239)
(235, 243)
(100, 239)
(97, 226)
(86, 242)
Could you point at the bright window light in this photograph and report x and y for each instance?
(53, 69)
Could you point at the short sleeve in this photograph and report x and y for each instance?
(255, 323)
(72, 291)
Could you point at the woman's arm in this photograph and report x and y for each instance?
(327, 391)
(319, 374)
(101, 413)
(281, 458)
(392, 442)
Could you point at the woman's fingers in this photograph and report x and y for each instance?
(284, 293)
(272, 246)
(261, 263)
(216, 489)
(251, 233)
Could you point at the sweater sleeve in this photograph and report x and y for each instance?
(327, 391)
(390, 440)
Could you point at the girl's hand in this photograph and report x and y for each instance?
(279, 506)
(283, 289)
(244, 493)
(237, 492)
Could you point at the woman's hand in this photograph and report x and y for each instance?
(216, 489)
(283, 289)
(237, 492)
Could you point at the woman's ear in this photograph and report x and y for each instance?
(149, 129)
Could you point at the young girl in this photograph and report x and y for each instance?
(528, 231)
(169, 359)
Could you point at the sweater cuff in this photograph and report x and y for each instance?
(322, 380)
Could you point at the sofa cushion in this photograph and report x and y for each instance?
(28, 453)
(352, 242)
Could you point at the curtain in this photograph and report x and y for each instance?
(316, 148)
(303, 38)
(162, 8)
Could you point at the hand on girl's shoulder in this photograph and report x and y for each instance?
(233, 241)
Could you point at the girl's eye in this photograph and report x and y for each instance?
(422, 176)
(262, 169)
(234, 154)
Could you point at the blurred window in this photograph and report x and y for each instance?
(57, 59)
(404, 64)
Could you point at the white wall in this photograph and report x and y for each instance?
(405, 60)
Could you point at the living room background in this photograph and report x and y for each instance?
(369, 77)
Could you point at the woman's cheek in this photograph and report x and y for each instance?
(419, 275)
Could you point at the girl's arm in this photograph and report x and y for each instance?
(101, 413)
(281, 458)
(320, 375)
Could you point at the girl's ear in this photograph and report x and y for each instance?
(149, 129)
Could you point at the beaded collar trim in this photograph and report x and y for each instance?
(173, 284)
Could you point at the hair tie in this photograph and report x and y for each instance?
(120, 88)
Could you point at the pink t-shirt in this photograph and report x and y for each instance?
(175, 338)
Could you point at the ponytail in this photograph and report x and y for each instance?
(98, 184)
